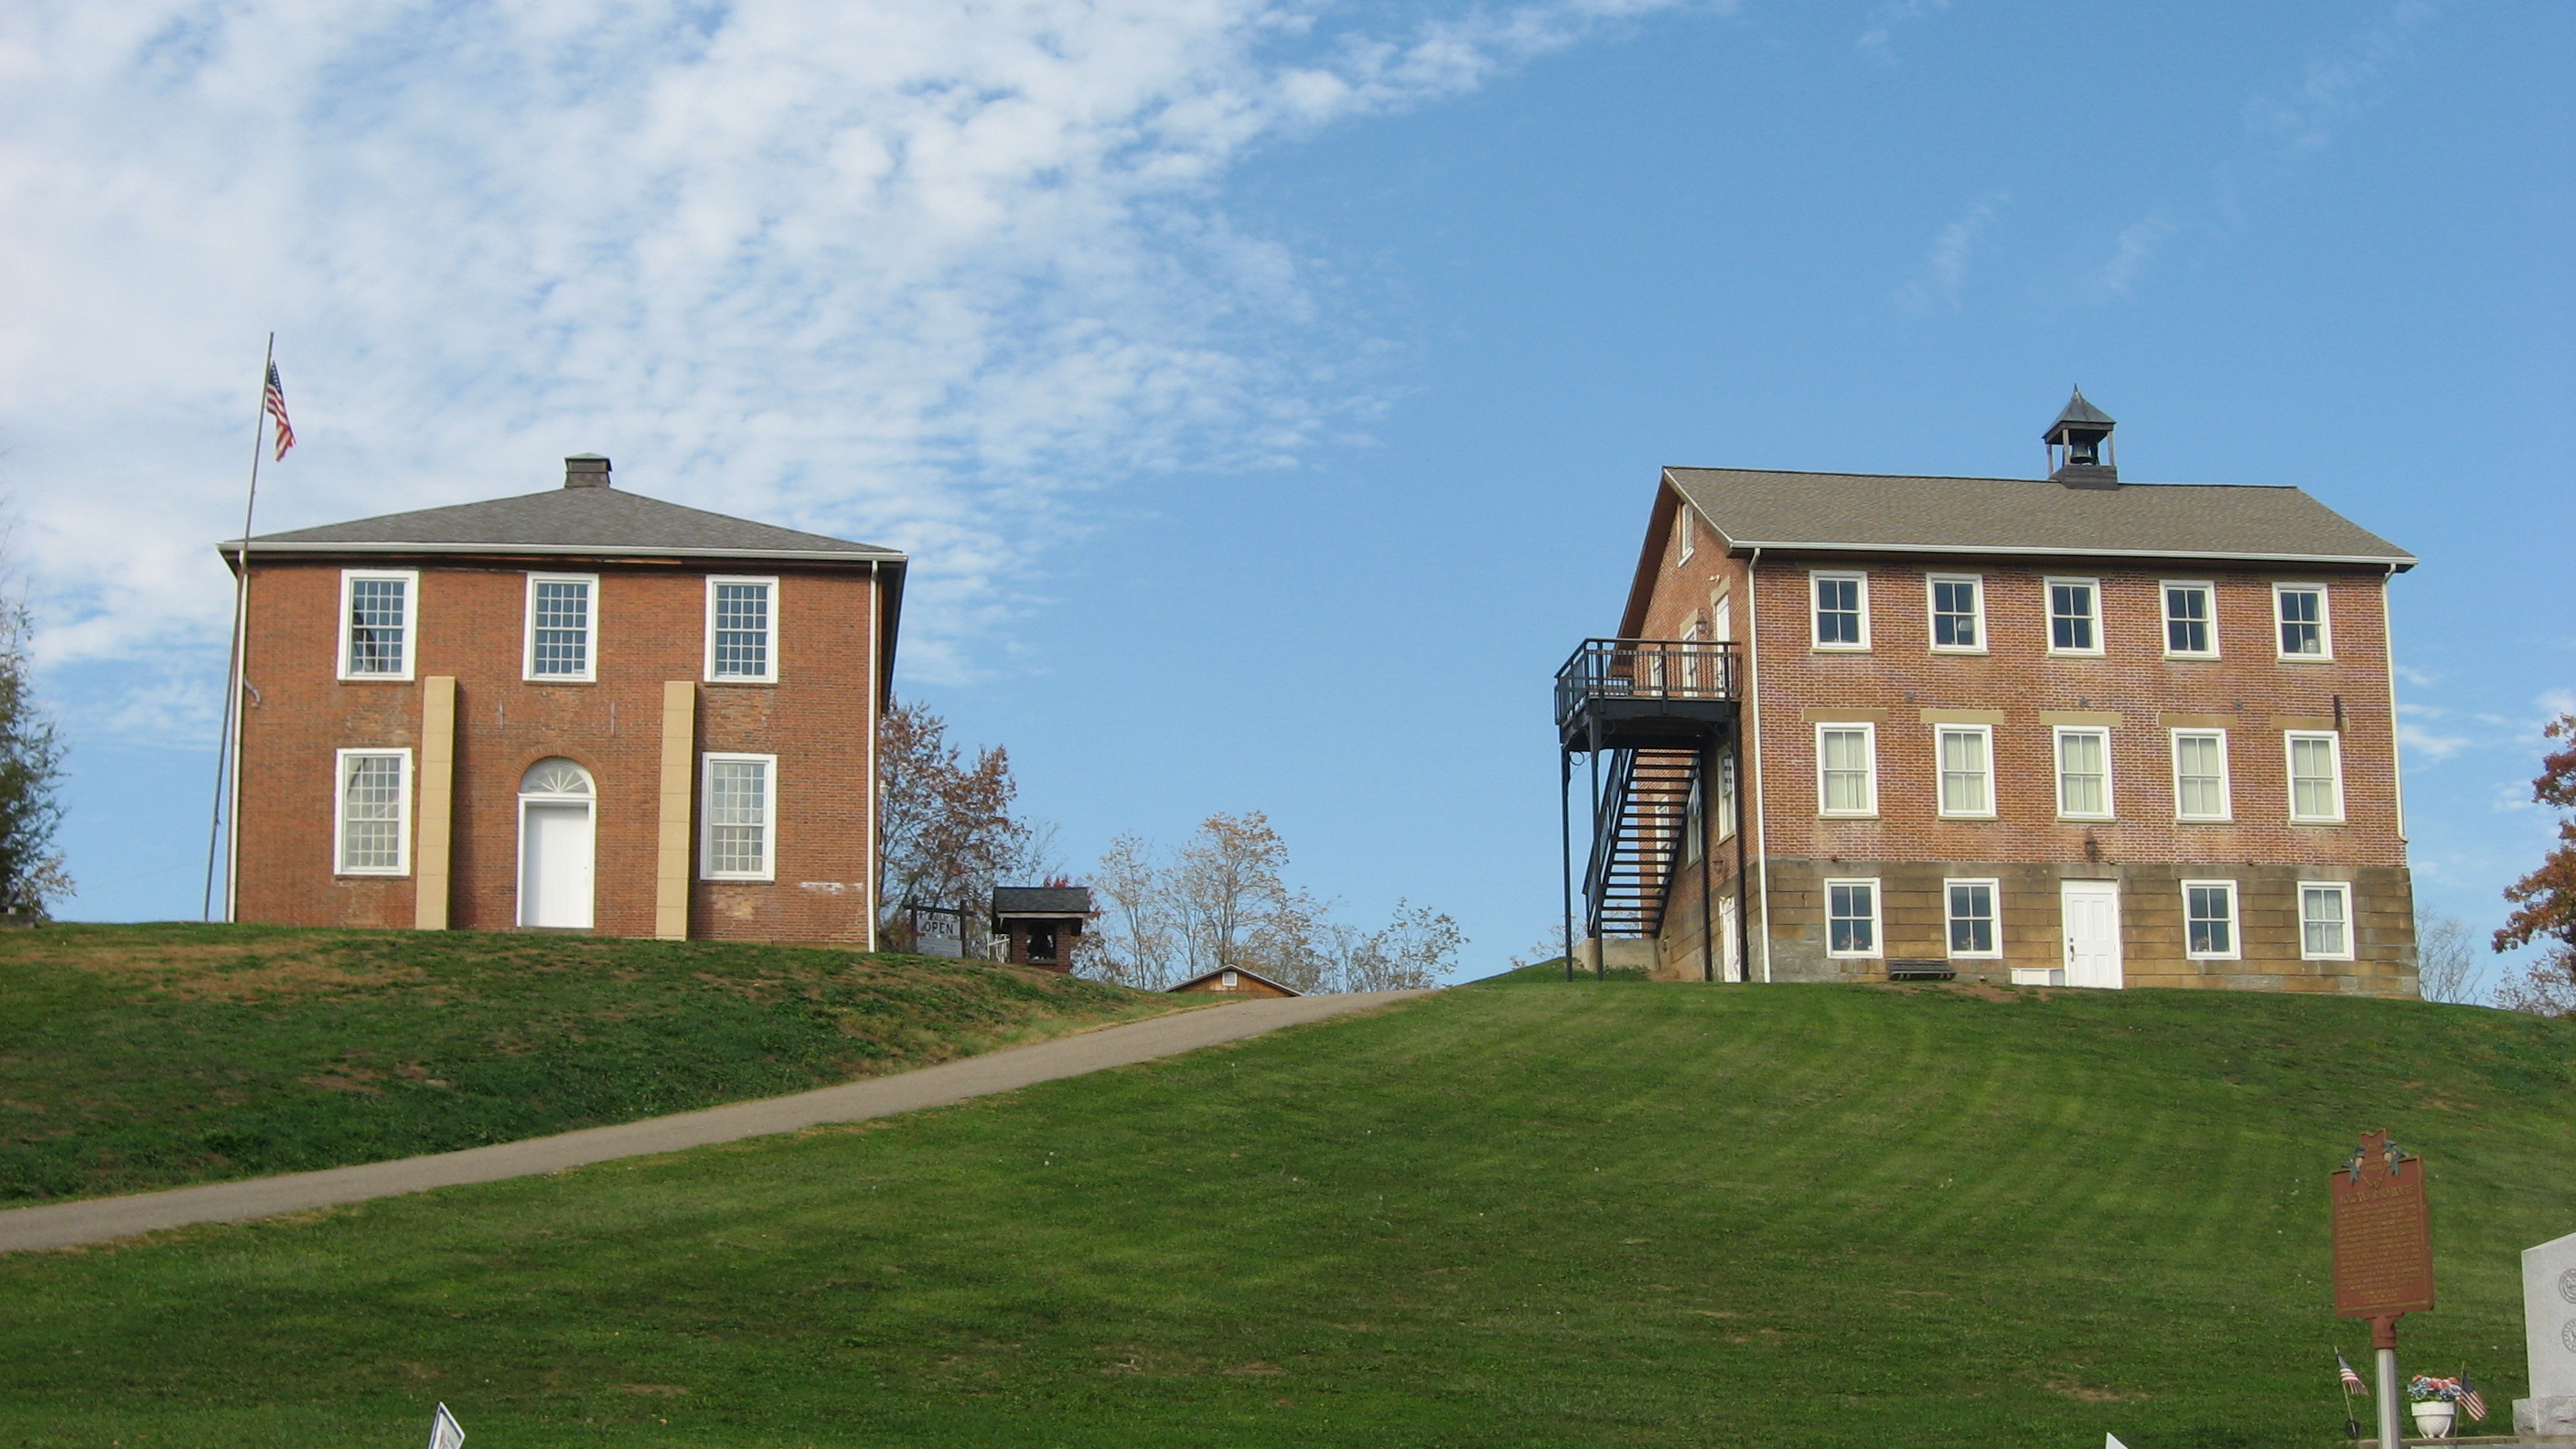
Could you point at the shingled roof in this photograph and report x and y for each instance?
(574, 520)
(1876, 513)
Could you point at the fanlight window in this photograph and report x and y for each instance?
(555, 777)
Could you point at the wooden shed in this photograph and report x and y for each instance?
(1236, 981)
(1042, 923)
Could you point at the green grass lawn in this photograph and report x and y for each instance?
(136, 1057)
(1523, 1215)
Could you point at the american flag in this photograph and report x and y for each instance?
(2351, 1381)
(2472, 1403)
(275, 402)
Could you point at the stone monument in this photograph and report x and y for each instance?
(2549, 1329)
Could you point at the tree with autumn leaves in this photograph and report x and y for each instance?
(2545, 900)
(945, 832)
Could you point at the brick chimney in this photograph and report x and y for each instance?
(585, 470)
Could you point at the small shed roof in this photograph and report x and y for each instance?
(1041, 901)
(1208, 976)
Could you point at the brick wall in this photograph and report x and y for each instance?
(651, 625)
(1904, 690)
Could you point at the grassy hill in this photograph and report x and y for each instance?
(1534, 1214)
(136, 1057)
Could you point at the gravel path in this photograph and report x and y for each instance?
(92, 1220)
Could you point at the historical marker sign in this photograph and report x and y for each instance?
(2383, 1234)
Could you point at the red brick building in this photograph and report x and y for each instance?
(581, 709)
(2072, 731)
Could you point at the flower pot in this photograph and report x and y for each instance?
(2433, 1419)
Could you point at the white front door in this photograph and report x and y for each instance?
(2091, 912)
(1726, 938)
(554, 863)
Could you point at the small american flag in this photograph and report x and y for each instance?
(275, 403)
(2472, 1403)
(443, 1431)
(2352, 1383)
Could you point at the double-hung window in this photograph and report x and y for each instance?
(1958, 614)
(741, 839)
(371, 813)
(2209, 920)
(2200, 775)
(2083, 772)
(1847, 769)
(1973, 931)
(2306, 633)
(1851, 918)
(2316, 775)
(742, 630)
(1726, 795)
(562, 627)
(2074, 616)
(2191, 620)
(379, 615)
(1967, 770)
(1841, 610)
(2325, 920)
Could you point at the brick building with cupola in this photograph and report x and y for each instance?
(2070, 730)
(580, 709)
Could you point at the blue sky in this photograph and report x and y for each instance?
(1273, 393)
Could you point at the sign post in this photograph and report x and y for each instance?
(2383, 1255)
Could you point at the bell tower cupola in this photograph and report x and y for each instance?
(2079, 446)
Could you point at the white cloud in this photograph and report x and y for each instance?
(2338, 84)
(1945, 266)
(917, 274)
(1879, 39)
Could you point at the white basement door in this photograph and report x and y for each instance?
(2091, 911)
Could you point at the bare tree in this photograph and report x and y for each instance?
(1224, 902)
(2446, 969)
(945, 829)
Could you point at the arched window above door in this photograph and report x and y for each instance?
(557, 776)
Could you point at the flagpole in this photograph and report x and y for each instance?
(228, 740)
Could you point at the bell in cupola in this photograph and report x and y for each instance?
(2079, 446)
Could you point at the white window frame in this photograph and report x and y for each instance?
(340, 813)
(2325, 623)
(2208, 590)
(2057, 753)
(1932, 612)
(2048, 614)
(1985, 735)
(1689, 534)
(1995, 916)
(707, 822)
(589, 634)
(2341, 888)
(2235, 922)
(1726, 788)
(2290, 776)
(1869, 775)
(769, 655)
(1877, 931)
(410, 626)
(2226, 784)
(1815, 631)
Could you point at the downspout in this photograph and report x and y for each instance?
(876, 721)
(2388, 655)
(1753, 691)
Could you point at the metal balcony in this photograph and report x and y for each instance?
(1646, 693)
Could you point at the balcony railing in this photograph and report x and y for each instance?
(1645, 671)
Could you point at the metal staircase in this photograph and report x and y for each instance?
(1645, 805)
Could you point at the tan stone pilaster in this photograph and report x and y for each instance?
(679, 784)
(437, 801)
